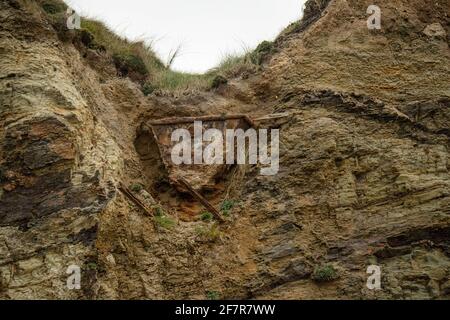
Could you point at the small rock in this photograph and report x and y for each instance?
(433, 288)
(282, 250)
(297, 269)
(30, 264)
(147, 198)
(9, 187)
(446, 287)
(435, 30)
(111, 260)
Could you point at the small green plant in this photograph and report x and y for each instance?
(213, 295)
(165, 222)
(325, 273)
(206, 216)
(136, 187)
(159, 212)
(91, 266)
(211, 234)
(226, 207)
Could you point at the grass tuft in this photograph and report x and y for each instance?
(209, 234)
(164, 222)
(226, 207)
(232, 66)
(136, 187)
(159, 212)
(262, 51)
(213, 295)
(325, 273)
(206, 216)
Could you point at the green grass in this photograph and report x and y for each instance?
(206, 216)
(140, 59)
(162, 219)
(210, 234)
(262, 51)
(213, 295)
(173, 80)
(159, 212)
(232, 66)
(136, 187)
(324, 273)
(121, 47)
(294, 27)
(91, 266)
(165, 222)
(226, 207)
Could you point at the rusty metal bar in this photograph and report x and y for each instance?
(181, 120)
(135, 200)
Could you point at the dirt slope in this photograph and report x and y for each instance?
(364, 169)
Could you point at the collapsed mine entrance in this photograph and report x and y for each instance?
(191, 188)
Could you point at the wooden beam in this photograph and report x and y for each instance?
(201, 199)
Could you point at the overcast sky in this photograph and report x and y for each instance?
(206, 29)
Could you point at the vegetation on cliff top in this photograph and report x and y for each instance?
(138, 61)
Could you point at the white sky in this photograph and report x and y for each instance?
(206, 29)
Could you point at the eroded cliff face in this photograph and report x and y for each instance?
(364, 168)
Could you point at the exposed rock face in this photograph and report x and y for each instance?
(364, 169)
(435, 30)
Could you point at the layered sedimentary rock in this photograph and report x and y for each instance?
(364, 168)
